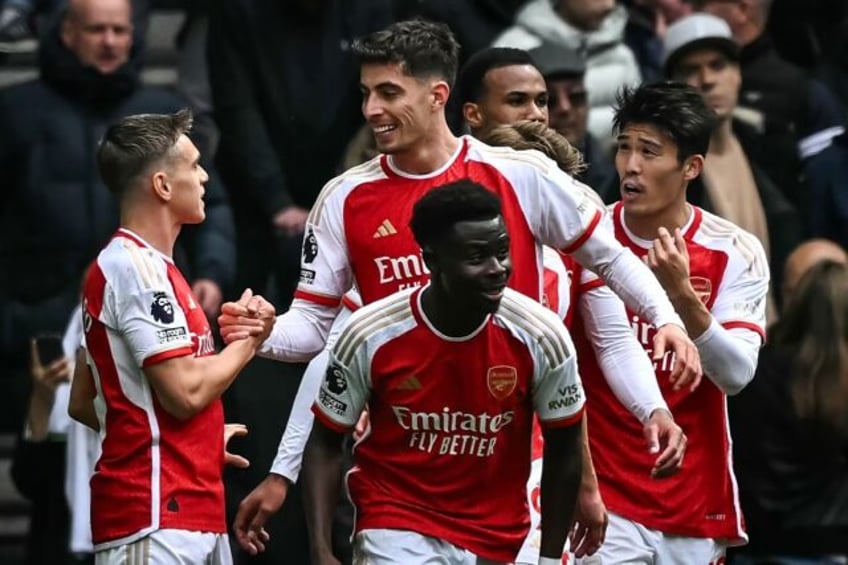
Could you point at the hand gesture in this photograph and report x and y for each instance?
(590, 524)
(231, 431)
(253, 512)
(669, 260)
(45, 379)
(248, 317)
(665, 437)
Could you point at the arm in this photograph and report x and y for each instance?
(322, 465)
(562, 462)
(186, 385)
(729, 356)
(83, 392)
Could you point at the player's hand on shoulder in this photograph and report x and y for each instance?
(666, 439)
(251, 315)
(253, 512)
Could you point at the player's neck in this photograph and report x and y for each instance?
(430, 154)
(154, 228)
(647, 227)
(446, 316)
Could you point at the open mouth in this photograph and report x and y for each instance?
(630, 189)
(494, 293)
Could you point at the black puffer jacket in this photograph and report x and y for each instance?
(55, 214)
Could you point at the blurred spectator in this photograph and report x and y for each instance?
(790, 425)
(475, 23)
(827, 177)
(647, 21)
(56, 212)
(564, 70)
(594, 28)
(700, 50)
(796, 117)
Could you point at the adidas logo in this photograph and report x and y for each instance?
(412, 383)
(386, 228)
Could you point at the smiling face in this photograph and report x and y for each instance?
(717, 77)
(400, 109)
(471, 265)
(510, 94)
(653, 180)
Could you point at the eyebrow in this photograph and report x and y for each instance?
(645, 140)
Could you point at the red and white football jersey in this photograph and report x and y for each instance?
(155, 471)
(729, 269)
(448, 454)
(358, 230)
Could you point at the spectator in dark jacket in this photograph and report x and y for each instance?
(56, 213)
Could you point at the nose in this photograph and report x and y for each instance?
(204, 176)
(371, 106)
(633, 164)
(538, 113)
(497, 267)
(560, 102)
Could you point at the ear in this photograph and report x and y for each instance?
(430, 259)
(439, 95)
(65, 32)
(161, 186)
(692, 167)
(472, 115)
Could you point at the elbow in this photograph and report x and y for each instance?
(734, 384)
(183, 408)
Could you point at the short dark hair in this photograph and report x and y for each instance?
(436, 212)
(422, 48)
(132, 145)
(470, 84)
(676, 109)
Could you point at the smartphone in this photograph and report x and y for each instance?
(49, 348)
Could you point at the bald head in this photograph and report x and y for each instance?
(804, 257)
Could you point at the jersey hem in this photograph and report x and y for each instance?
(166, 355)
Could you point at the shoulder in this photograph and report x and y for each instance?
(742, 247)
(127, 265)
(339, 188)
(381, 317)
(542, 326)
(529, 160)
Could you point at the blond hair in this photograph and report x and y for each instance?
(526, 134)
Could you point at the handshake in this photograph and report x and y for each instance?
(250, 317)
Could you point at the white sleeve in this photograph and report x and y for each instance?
(729, 356)
(82, 452)
(558, 396)
(300, 333)
(730, 347)
(627, 276)
(345, 389)
(290, 451)
(147, 313)
(624, 362)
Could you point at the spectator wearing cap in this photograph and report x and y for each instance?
(564, 70)
(595, 29)
(699, 49)
(797, 117)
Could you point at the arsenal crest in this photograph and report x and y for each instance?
(501, 380)
(703, 287)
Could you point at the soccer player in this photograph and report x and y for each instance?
(155, 383)
(452, 373)
(626, 367)
(717, 277)
(357, 230)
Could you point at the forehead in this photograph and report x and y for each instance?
(565, 82)
(89, 12)
(475, 232)
(372, 75)
(186, 148)
(647, 133)
(522, 78)
(702, 56)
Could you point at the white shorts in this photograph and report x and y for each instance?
(404, 547)
(629, 543)
(170, 547)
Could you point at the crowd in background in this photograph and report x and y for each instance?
(273, 87)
